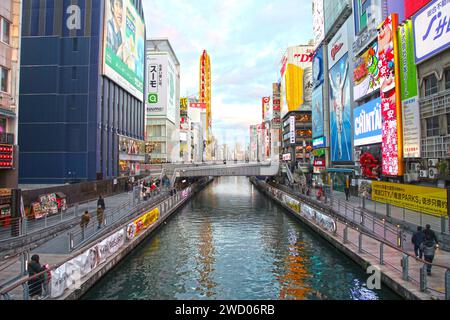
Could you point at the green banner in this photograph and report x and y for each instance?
(408, 71)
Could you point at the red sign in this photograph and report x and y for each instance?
(412, 6)
(6, 156)
(199, 105)
(336, 48)
(304, 57)
(319, 163)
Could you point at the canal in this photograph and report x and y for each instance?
(231, 242)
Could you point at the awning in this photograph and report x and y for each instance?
(343, 170)
(7, 113)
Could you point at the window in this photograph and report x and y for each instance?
(74, 73)
(447, 78)
(430, 83)
(5, 30)
(4, 74)
(448, 123)
(433, 127)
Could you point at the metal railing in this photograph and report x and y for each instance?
(25, 288)
(362, 240)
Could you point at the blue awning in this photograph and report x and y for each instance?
(343, 170)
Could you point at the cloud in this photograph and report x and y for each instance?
(245, 39)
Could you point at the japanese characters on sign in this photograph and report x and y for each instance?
(431, 29)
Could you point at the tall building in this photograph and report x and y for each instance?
(10, 28)
(82, 90)
(205, 97)
(163, 101)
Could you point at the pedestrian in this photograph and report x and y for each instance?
(47, 280)
(347, 193)
(417, 239)
(127, 185)
(430, 233)
(429, 250)
(101, 202)
(100, 216)
(35, 283)
(85, 218)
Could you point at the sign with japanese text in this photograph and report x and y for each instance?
(431, 29)
(266, 108)
(292, 129)
(432, 201)
(392, 145)
(156, 84)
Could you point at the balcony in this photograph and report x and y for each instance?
(7, 138)
(435, 105)
(436, 147)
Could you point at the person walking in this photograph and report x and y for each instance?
(417, 239)
(101, 202)
(85, 218)
(100, 217)
(429, 250)
(430, 234)
(35, 283)
(347, 193)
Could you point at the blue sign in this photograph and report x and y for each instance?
(319, 143)
(340, 112)
(318, 66)
(367, 122)
(317, 112)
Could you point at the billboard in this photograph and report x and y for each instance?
(392, 145)
(409, 92)
(367, 123)
(367, 14)
(412, 6)
(432, 201)
(431, 30)
(318, 74)
(340, 112)
(317, 112)
(365, 72)
(333, 10)
(318, 21)
(266, 109)
(124, 47)
(339, 45)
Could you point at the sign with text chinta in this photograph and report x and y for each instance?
(409, 92)
(431, 27)
(367, 123)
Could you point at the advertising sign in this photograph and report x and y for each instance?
(318, 21)
(432, 201)
(292, 129)
(392, 145)
(319, 143)
(412, 7)
(367, 123)
(409, 92)
(156, 84)
(317, 113)
(367, 13)
(291, 203)
(338, 46)
(142, 223)
(318, 74)
(340, 112)
(431, 30)
(321, 219)
(365, 72)
(124, 47)
(266, 108)
(333, 10)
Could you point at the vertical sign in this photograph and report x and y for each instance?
(409, 92)
(392, 145)
(292, 129)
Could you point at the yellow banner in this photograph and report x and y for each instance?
(146, 220)
(432, 201)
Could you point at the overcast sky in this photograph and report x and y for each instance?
(245, 40)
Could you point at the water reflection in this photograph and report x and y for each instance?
(231, 242)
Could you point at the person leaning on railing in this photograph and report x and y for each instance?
(36, 281)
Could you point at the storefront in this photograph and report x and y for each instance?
(131, 156)
(5, 207)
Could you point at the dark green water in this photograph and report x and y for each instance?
(231, 242)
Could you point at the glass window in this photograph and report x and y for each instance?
(6, 30)
(447, 78)
(4, 79)
(431, 86)
(433, 127)
(2, 125)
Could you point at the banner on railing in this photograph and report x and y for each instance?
(69, 275)
(432, 201)
(321, 219)
(144, 222)
(292, 203)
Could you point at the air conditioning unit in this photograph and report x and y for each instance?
(433, 173)
(433, 162)
(415, 167)
(423, 174)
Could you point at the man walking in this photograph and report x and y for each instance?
(101, 202)
(429, 250)
(347, 193)
(430, 234)
(417, 239)
(85, 218)
(100, 217)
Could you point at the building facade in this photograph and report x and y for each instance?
(10, 28)
(82, 90)
(163, 101)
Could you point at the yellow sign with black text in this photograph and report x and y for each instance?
(432, 201)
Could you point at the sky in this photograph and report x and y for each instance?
(245, 40)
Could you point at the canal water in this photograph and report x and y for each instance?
(231, 242)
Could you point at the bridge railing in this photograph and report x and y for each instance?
(47, 284)
(358, 230)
